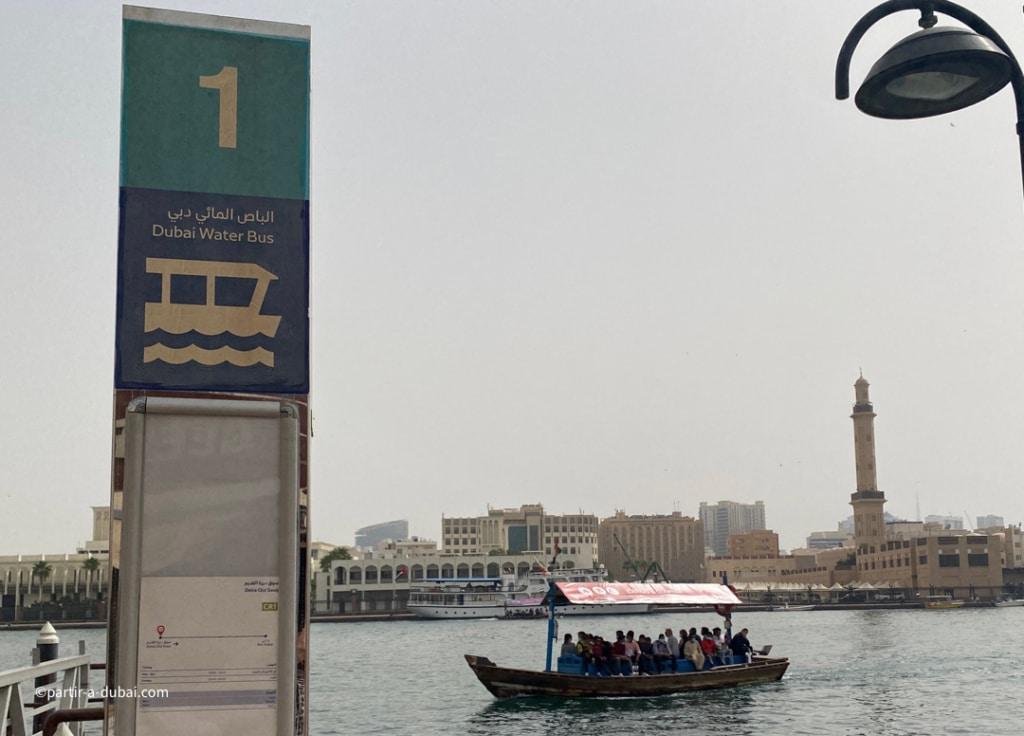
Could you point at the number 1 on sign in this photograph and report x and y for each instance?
(226, 82)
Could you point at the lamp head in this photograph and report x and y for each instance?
(934, 71)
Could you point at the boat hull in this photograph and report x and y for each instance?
(594, 609)
(504, 682)
(503, 611)
(1010, 604)
(459, 612)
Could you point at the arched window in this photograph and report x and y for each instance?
(478, 570)
(371, 574)
(432, 571)
(385, 574)
(447, 571)
(417, 572)
(462, 571)
(355, 575)
(523, 570)
(339, 576)
(493, 570)
(568, 565)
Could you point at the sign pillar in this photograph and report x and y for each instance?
(211, 377)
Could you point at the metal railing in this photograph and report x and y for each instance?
(17, 714)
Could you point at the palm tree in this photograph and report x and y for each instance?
(90, 565)
(338, 553)
(41, 570)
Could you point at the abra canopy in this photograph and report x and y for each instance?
(687, 594)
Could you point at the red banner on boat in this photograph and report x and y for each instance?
(691, 594)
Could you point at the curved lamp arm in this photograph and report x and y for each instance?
(965, 16)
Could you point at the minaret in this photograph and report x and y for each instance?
(867, 502)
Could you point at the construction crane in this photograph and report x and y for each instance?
(639, 571)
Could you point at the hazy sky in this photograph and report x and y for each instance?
(598, 255)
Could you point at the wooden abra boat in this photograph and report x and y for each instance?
(505, 682)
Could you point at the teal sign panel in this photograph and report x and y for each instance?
(213, 250)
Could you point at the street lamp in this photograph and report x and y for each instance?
(933, 71)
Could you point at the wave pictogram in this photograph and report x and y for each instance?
(178, 356)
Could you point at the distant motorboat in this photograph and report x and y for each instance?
(940, 602)
(788, 607)
(1010, 603)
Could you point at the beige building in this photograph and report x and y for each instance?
(100, 542)
(527, 529)
(806, 567)
(628, 543)
(929, 561)
(757, 543)
(381, 579)
(58, 586)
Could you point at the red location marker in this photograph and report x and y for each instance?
(160, 630)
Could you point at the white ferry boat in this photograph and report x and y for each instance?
(507, 597)
(459, 598)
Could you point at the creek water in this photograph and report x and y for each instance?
(912, 672)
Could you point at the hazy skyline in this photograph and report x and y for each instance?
(598, 256)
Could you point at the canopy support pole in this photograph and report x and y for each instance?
(552, 629)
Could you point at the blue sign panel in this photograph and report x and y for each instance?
(212, 292)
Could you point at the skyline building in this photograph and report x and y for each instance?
(989, 521)
(527, 529)
(725, 518)
(628, 545)
(370, 536)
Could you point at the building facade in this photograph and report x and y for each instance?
(722, 519)
(53, 587)
(757, 543)
(829, 540)
(525, 530)
(930, 558)
(945, 522)
(628, 545)
(368, 536)
(381, 579)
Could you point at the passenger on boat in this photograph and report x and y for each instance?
(645, 664)
(740, 645)
(693, 652)
(594, 643)
(610, 660)
(620, 661)
(673, 645)
(568, 646)
(662, 654)
(707, 643)
(583, 646)
(632, 648)
(723, 648)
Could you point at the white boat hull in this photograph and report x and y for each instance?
(599, 609)
(451, 612)
(470, 611)
(1010, 604)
